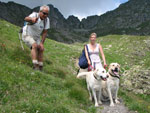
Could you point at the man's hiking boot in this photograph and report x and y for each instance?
(35, 67)
(40, 68)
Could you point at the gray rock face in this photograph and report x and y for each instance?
(90, 22)
(73, 22)
(128, 18)
(14, 12)
(132, 17)
(137, 80)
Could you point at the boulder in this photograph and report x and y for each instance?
(137, 80)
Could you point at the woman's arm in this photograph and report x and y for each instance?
(102, 54)
(87, 56)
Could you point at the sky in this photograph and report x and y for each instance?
(79, 8)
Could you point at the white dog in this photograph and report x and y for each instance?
(111, 86)
(93, 80)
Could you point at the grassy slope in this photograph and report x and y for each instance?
(56, 89)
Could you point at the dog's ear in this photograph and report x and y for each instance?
(118, 65)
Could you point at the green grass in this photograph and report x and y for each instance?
(56, 89)
(136, 102)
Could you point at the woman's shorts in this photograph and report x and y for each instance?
(29, 40)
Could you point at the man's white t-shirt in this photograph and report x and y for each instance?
(36, 29)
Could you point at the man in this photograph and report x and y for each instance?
(37, 25)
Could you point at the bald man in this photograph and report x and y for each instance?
(37, 25)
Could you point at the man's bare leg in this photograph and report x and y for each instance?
(34, 56)
(40, 56)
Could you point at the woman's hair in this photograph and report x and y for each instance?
(93, 34)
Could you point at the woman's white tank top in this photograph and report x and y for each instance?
(94, 55)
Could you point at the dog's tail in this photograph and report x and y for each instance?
(82, 75)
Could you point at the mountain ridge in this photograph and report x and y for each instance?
(131, 18)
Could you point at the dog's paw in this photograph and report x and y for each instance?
(117, 101)
(112, 104)
(77, 77)
(100, 103)
(96, 105)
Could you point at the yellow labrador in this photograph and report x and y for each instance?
(111, 86)
(93, 80)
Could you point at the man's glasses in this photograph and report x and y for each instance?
(46, 14)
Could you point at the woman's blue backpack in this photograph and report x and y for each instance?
(83, 63)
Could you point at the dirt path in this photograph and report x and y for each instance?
(118, 108)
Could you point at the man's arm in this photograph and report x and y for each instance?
(31, 20)
(44, 34)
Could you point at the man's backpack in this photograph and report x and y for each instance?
(83, 62)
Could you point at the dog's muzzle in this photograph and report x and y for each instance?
(116, 71)
(104, 78)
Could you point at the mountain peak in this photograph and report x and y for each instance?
(132, 17)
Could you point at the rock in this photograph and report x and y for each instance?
(14, 12)
(73, 22)
(137, 80)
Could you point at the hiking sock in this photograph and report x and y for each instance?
(35, 64)
(40, 66)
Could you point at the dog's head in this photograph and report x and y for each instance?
(100, 74)
(114, 69)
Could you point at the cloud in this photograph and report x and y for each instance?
(80, 8)
(84, 8)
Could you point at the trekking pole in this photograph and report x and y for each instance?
(21, 41)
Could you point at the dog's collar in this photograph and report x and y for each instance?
(114, 76)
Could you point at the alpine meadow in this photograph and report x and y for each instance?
(56, 89)
(124, 34)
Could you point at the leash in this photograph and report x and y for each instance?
(90, 68)
(106, 67)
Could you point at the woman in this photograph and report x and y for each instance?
(94, 49)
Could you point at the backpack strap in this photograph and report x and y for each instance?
(88, 51)
(37, 15)
(45, 22)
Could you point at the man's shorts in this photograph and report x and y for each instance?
(29, 40)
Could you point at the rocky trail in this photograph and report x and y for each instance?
(118, 108)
